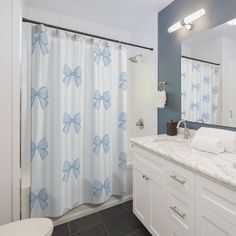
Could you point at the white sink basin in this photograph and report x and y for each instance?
(173, 145)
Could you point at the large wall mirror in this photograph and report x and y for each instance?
(208, 76)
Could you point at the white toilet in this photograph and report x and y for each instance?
(29, 227)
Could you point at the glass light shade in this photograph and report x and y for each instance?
(175, 27)
(191, 18)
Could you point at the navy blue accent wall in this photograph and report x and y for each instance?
(169, 47)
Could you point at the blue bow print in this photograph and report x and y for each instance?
(104, 53)
(42, 95)
(205, 117)
(215, 90)
(206, 98)
(123, 81)
(183, 76)
(196, 87)
(41, 39)
(98, 187)
(206, 80)
(41, 148)
(216, 70)
(195, 66)
(41, 197)
(123, 121)
(123, 160)
(69, 120)
(75, 74)
(67, 167)
(183, 114)
(105, 98)
(98, 141)
(183, 94)
(214, 108)
(195, 106)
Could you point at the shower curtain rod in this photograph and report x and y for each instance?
(195, 59)
(86, 34)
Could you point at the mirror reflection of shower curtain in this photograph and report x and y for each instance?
(200, 91)
(74, 102)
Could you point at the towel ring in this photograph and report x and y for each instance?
(163, 83)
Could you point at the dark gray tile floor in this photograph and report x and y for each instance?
(115, 221)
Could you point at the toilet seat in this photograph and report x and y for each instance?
(28, 227)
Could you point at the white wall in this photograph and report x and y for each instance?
(75, 24)
(9, 109)
(143, 82)
(6, 113)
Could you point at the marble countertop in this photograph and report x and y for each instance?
(220, 167)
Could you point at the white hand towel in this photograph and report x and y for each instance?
(161, 99)
(206, 144)
(227, 137)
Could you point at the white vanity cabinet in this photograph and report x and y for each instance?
(149, 197)
(173, 201)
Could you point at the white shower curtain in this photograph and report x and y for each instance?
(78, 121)
(200, 91)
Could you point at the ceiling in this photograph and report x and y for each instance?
(120, 14)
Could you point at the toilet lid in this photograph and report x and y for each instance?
(29, 227)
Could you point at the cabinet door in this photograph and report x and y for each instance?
(157, 205)
(208, 223)
(140, 196)
(175, 230)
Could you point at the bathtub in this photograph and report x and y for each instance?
(82, 210)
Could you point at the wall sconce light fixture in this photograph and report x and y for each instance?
(187, 22)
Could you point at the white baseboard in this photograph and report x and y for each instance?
(85, 210)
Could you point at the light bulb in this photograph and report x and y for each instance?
(175, 27)
(191, 18)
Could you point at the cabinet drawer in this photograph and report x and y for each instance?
(181, 179)
(210, 224)
(181, 211)
(217, 198)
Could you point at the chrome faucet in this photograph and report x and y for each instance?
(186, 130)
